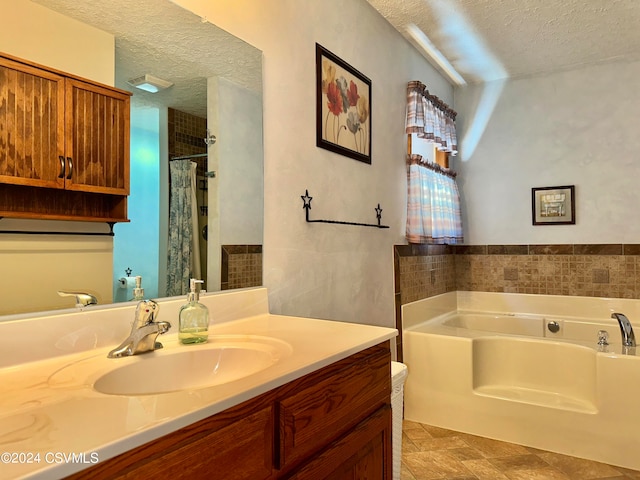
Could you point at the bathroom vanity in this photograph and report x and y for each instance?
(302, 398)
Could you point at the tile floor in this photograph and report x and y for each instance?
(435, 453)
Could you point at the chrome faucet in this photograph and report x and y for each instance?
(82, 299)
(144, 332)
(628, 338)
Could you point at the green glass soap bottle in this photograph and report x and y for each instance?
(193, 317)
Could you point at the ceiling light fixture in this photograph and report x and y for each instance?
(434, 54)
(149, 83)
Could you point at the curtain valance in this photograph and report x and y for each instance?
(430, 118)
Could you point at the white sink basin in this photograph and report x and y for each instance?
(178, 367)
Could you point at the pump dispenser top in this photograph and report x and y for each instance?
(194, 291)
(193, 317)
(138, 291)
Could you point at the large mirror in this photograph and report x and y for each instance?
(211, 116)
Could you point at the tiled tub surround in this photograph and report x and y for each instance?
(509, 379)
(424, 271)
(596, 270)
(241, 266)
(421, 271)
(186, 133)
(576, 270)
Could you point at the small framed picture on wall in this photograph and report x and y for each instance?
(553, 205)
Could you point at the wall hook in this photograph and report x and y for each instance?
(210, 139)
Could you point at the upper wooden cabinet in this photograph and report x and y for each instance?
(96, 138)
(62, 132)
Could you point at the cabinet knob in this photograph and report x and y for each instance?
(61, 174)
(70, 161)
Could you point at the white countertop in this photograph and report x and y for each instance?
(49, 421)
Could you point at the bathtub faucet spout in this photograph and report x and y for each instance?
(628, 338)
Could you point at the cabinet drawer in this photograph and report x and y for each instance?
(327, 406)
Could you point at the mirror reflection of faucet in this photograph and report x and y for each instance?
(82, 298)
(144, 332)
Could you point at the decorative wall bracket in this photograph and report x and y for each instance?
(306, 199)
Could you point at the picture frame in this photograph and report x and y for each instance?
(343, 107)
(553, 205)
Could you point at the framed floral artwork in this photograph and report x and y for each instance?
(343, 108)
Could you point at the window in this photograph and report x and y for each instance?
(433, 200)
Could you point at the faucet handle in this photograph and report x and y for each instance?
(603, 337)
(146, 312)
(82, 298)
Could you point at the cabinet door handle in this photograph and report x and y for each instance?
(61, 174)
(70, 168)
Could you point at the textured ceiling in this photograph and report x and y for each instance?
(482, 39)
(489, 39)
(167, 41)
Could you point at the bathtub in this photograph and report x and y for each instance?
(538, 379)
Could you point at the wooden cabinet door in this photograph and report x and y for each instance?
(31, 126)
(326, 405)
(97, 139)
(362, 454)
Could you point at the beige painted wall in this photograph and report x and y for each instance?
(34, 267)
(320, 270)
(42, 36)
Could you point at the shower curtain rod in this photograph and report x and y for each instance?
(185, 157)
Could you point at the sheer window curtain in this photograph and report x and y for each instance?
(184, 253)
(433, 199)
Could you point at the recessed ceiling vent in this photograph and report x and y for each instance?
(149, 83)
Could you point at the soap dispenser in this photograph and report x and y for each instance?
(194, 317)
(138, 291)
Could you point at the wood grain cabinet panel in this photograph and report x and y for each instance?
(360, 454)
(323, 410)
(61, 132)
(97, 140)
(31, 125)
(234, 445)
